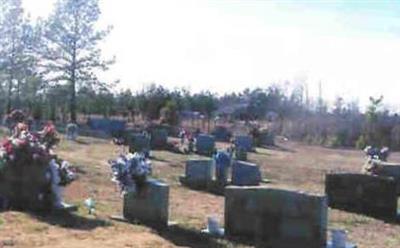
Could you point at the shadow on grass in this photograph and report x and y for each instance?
(182, 236)
(70, 220)
(82, 142)
(278, 148)
(213, 187)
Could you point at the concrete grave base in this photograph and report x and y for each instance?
(150, 206)
(276, 218)
(348, 245)
(364, 194)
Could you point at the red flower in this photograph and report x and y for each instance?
(8, 146)
(49, 128)
(22, 142)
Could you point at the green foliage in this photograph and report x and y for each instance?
(169, 113)
(372, 110)
(69, 50)
(361, 143)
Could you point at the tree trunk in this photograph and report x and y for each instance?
(73, 84)
(73, 100)
(8, 106)
(18, 100)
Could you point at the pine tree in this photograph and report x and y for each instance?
(16, 57)
(70, 53)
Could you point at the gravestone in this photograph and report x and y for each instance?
(386, 169)
(364, 194)
(244, 142)
(198, 173)
(244, 173)
(159, 138)
(113, 127)
(138, 142)
(241, 154)
(71, 131)
(205, 144)
(267, 138)
(221, 133)
(150, 205)
(26, 187)
(276, 218)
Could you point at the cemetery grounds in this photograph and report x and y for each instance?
(291, 165)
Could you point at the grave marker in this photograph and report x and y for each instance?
(198, 173)
(244, 142)
(276, 218)
(244, 173)
(150, 205)
(205, 144)
(365, 194)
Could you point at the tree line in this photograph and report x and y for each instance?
(49, 67)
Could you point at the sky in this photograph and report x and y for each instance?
(351, 47)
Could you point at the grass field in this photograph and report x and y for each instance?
(293, 166)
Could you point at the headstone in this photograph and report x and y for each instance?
(245, 142)
(386, 169)
(244, 173)
(276, 218)
(267, 138)
(138, 142)
(205, 144)
(198, 173)
(241, 154)
(72, 131)
(364, 194)
(159, 138)
(113, 127)
(221, 133)
(150, 205)
(26, 187)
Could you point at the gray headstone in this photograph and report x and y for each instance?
(245, 142)
(150, 205)
(159, 138)
(276, 218)
(198, 173)
(205, 144)
(139, 142)
(71, 131)
(365, 194)
(390, 170)
(244, 173)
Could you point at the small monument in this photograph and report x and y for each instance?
(244, 142)
(150, 205)
(198, 173)
(364, 194)
(72, 131)
(205, 144)
(245, 174)
(275, 217)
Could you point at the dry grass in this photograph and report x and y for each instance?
(297, 166)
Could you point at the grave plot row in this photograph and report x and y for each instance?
(269, 217)
(199, 174)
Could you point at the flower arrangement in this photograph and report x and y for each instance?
(130, 171)
(49, 136)
(22, 148)
(27, 158)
